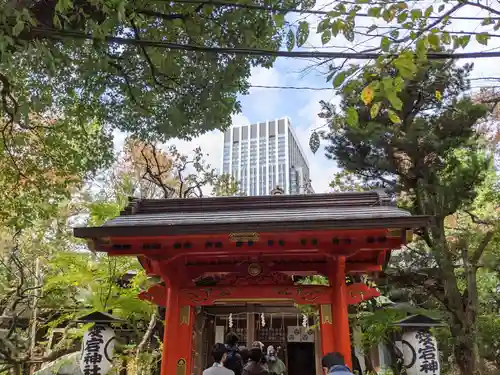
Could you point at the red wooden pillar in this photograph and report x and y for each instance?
(169, 356)
(178, 338)
(339, 310)
(326, 329)
(184, 342)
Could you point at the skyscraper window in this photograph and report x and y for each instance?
(265, 155)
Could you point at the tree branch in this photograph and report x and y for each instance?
(476, 256)
(476, 220)
(145, 338)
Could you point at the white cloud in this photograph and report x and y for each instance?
(211, 143)
(322, 169)
(263, 77)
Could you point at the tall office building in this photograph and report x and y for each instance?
(266, 155)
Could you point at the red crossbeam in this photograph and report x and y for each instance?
(300, 294)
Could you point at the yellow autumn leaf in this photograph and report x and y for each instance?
(367, 95)
(438, 95)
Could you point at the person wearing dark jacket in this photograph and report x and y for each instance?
(255, 365)
(233, 361)
(333, 364)
(245, 354)
(260, 345)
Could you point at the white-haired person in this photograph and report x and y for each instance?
(275, 365)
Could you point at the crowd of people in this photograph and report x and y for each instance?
(230, 359)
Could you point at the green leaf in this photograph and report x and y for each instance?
(314, 142)
(18, 28)
(406, 65)
(394, 117)
(334, 14)
(349, 33)
(290, 40)
(445, 38)
(464, 40)
(421, 47)
(279, 20)
(388, 15)
(402, 17)
(374, 12)
(398, 84)
(394, 100)
(408, 25)
(375, 109)
(308, 4)
(326, 36)
(352, 117)
(482, 38)
(433, 40)
(429, 11)
(339, 79)
(487, 21)
(323, 25)
(416, 14)
(385, 44)
(336, 27)
(302, 33)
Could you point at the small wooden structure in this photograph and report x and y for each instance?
(254, 245)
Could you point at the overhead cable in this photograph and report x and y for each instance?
(53, 34)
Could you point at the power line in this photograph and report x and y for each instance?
(220, 3)
(308, 88)
(293, 88)
(53, 34)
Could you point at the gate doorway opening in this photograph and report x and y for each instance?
(301, 358)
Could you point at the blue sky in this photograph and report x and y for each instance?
(302, 106)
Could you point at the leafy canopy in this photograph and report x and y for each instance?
(403, 35)
(106, 58)
(430, 152)
(42, 160)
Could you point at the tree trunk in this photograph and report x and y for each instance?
(466, 352)
(17, 369)
(141, 366)
(462, 306)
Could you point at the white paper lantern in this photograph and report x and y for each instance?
(97, 350)
(420, 353)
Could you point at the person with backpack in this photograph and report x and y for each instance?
(219, 354)
(233, 360)
(333, 364)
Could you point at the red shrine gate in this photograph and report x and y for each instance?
(254, 245)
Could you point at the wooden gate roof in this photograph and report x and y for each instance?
(279, 213)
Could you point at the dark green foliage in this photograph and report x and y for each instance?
(122, 76)
(433, 150)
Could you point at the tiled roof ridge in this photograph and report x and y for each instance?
(348, 199)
